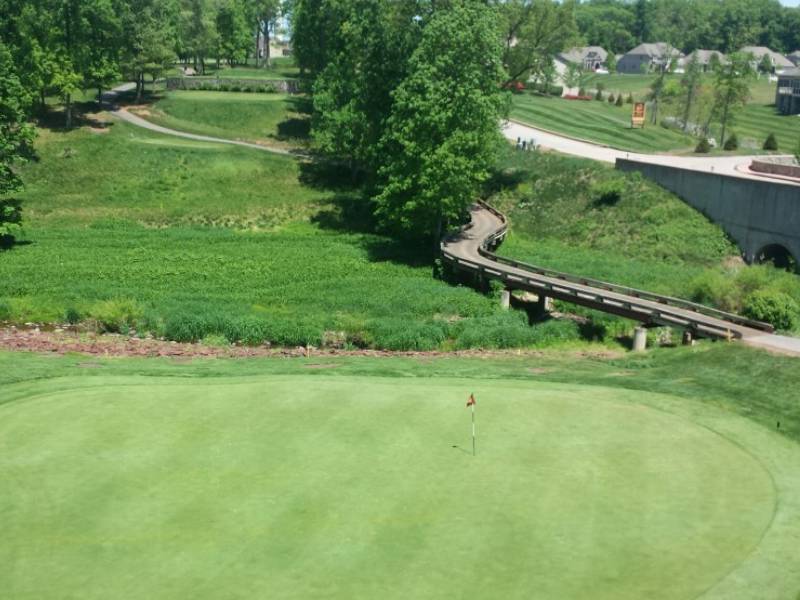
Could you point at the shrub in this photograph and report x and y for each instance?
(703, 147)
(629, 100)
(582, 92)
(72, 316)
(5, 310)
(619, 100)
(776, 308)
(611, 99)
(608, 192)
(185, 327)
(770, 143)
(10, 221)
(732, 143)
(797, 151)
(116, 315)
(598, 94)
(399, 334)
(715, 289)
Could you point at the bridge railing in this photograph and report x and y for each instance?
(498, 234)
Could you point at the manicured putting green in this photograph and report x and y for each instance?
(326, 487)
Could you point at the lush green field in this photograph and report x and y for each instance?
(245, 116)
(134, 230)
(596, 121)
(273, 478)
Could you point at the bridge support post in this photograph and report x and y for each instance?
(544, 304)
(505, 299)
(687, 339)
(639, 339)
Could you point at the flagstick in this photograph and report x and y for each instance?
(473, 429)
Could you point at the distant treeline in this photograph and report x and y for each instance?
(59, 47)
(724, 25)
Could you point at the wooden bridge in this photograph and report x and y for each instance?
(471, 250)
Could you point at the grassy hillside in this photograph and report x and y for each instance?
(246, 116)
(584, 218)
(605, 124)
(132, 230)
(597, 121)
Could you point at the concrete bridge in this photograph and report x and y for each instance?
(762, 216)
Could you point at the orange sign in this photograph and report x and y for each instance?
(637, 118)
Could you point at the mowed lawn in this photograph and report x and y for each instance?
(235, 115)
(335, 486)
(755, 122)
(597, 121)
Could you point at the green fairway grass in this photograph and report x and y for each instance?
(245, 116)
(322, 482)
(599, 122)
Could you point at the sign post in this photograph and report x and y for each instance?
(637, 118)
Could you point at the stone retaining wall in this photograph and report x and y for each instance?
(286, 86)
(786, 167)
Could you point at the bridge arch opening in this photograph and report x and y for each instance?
(779, 256)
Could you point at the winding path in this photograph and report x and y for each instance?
(127, 116)
(734, 166)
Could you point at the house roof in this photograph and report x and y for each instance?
(579, 54)
(704, 56)
(779, 60)
(655, 50)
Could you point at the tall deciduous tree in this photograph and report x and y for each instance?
(16, 139)
(690, 82)
(352, 94)
(534, 31)
(731, 89)
(443, 131)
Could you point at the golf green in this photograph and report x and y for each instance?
(348, 487)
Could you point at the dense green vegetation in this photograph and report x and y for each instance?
(244, 116)
(583, 218)
(134, 230)
(600, 122)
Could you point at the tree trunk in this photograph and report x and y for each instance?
(68, 108)
(42, 98)
(267, 62)
(139, 85)
(687, 112)
(724, 123)
(258, 39)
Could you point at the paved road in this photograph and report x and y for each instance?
(125, 115)
(466, 246)
(726, 165)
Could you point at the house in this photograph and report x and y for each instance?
(787, 97)
(591, 58)
(704, 58)
(648, 57)
(794, 57)
(779, 62)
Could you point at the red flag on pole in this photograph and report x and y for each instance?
(471, 401)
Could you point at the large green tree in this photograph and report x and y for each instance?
(16, 140)
(534, 31)
(731, 90)
(443, 131)
(353, 92)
